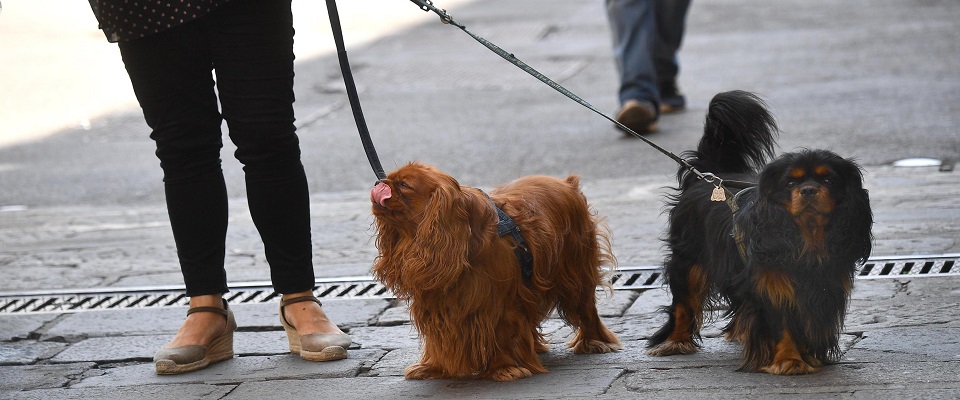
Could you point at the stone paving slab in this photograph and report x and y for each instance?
(911, 302)
(386, 337)
(28, 377)
(237, 370)
(117, 349)
(124, 322)
(394, 362)
(927, 344)
(880, 373)
(153, 392)
(926, 391)
(29, 351)
(20, 326)
(558, 384)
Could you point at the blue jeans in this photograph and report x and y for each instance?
(249, 43)
(646, 37)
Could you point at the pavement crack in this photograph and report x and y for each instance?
(367, 366)
(227, 394)
(681, 368)
(46, 327)
(623, 372)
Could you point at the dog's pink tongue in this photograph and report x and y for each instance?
(380, 193)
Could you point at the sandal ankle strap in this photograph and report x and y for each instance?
(218, 310)
(284, 303)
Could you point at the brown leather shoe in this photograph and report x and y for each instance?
(191, 358)
(315, 346)
(640, 116)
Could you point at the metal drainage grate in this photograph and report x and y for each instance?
(638, 278)
(625, 278)
(907, 267)
(70, 300)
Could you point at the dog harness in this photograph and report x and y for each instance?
(506, 226)
(737, 233)
(724, 194)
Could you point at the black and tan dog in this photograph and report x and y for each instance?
(781, 255)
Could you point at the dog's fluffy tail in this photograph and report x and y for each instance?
(739, 135)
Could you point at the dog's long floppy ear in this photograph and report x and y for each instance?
(854, 218)
(444, 235)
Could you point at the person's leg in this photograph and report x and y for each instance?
(670, 21)
(253, 57)
(172, 80)
(632, 24)
(171, 76)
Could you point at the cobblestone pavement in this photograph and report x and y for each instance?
(900, 337)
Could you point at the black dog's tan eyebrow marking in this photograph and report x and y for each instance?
(797, 173)
(822, 170)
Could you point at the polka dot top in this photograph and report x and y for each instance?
(126, 20)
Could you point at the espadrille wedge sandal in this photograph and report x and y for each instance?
(190, 358)
(315, 346)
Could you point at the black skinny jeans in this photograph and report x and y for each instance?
(249, 43)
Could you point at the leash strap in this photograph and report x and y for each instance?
(427, 5)
(352, 91)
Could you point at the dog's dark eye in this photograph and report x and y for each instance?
(791, 184)
(403, 185)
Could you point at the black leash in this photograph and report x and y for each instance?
(352, 91)
(427, 5)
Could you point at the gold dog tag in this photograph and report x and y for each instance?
(718, 194)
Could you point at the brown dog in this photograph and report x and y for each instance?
(477, 315)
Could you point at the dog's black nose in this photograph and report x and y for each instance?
(808, 191)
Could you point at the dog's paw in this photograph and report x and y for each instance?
(421, 371)
(790, 366)
(595, 347)
(670, 348)
(813, 361)
(510, 373)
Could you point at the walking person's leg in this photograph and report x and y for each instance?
(632, 23)
(671, 16)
